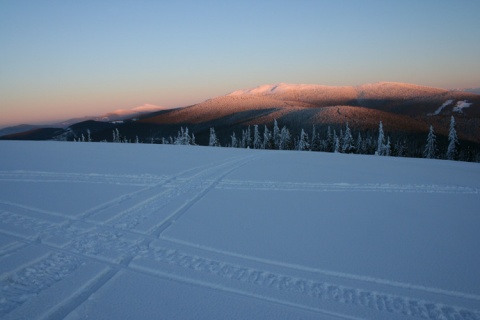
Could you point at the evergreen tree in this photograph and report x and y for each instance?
(276, 135)
(400, 148)
(303, 143)
(267, 139)
(330, 145)
(243, 141)
(359, 144)
(452, 141)
(285, 139)
(116, 136)
(430, 151)
(89, 137)
(257, 140)
(388, 147)
(348, 146)
(336, 142)
(234, 141)
(192, 142)
(249, 138)
(315, 141)
(381, 147)
(213, 141)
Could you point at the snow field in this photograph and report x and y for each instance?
(92, 230)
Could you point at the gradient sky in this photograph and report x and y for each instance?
(66, 58)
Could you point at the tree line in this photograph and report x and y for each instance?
(341, 141)
(333, 141)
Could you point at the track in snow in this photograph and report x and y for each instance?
(44, 251)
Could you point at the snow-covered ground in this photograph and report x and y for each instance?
(138, 231)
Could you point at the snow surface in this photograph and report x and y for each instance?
(461, 105)
(446, 103)
(140, 231)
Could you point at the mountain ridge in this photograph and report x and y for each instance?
(402, 107)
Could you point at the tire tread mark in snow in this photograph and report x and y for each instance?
(330, 273)
(377, 301)
(29, 281)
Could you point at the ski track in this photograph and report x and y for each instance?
(343, 187)
(121, 234)
(56, 177)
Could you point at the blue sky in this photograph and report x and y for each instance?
(61, 59)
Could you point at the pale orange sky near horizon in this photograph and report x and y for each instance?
(61, 60)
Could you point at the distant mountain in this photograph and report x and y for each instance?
(19, 128)
(122, 114)
(470, 90)
(117, 115)
(404, 109)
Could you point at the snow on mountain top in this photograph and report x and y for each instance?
(139, 109)
(282, 88)
(388, 89)
(469, 90)
(121, 114)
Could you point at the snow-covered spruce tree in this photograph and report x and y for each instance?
(276, 135)
(257, 140)
(267, 139)
(336, 142)
(330, 142)
(400, 148)
(213, 141)
(186, 137)
(452, 141)
(303, 144)
(430, 151)
(136, 139)
(381, 147)
(388, 147)
(315, 141)
(234, 143)
(249, 138)
(116, 136)
(243, 140)
(285, 139)
(359, 144)
(192, 140)
(348, 146)
(179, 138)
(89, 136)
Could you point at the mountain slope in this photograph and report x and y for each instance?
(402, 107)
